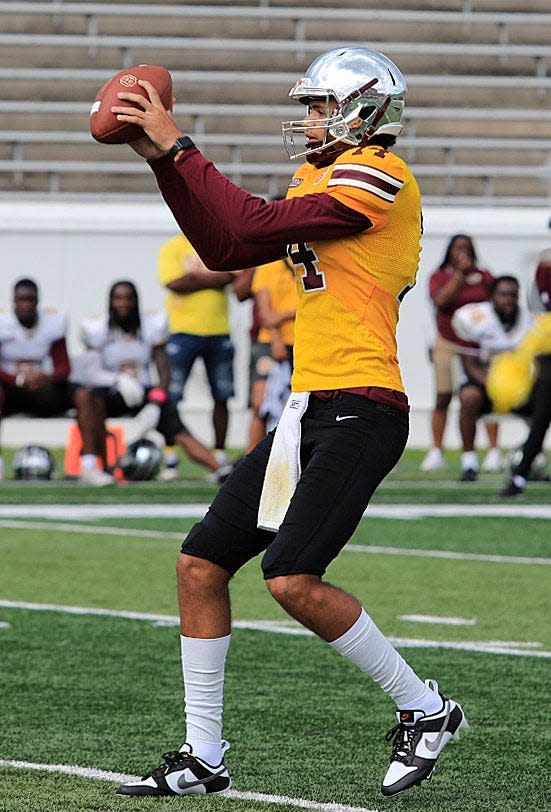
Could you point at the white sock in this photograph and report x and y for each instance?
(469, 460)
(365, 646)
(203, 664)
(519, 481)
(88, 462)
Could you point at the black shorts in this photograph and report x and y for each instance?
(343, 462)
(169, 424)
(51, 401)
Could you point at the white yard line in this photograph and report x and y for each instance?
(399, 511)
(95, 530)
(442, 621)
(98, 530)
(122, 778)
(519, 649)
(494, 559)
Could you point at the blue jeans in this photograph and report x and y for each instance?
(217, 353)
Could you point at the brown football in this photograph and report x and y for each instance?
(103, 123)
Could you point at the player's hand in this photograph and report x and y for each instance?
(464, 262)
(36, 379)
(157, 122)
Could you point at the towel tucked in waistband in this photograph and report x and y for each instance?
(283, 468)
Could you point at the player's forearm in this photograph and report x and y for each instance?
(198, 280)
(216, 245)
(60, 361)
(231, 228)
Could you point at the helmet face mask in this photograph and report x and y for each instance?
(369, 92)
(33, 462)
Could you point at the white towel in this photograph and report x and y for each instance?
(283, 469)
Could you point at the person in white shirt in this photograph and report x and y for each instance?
(34, 373)
(495, 326)
(121, 348)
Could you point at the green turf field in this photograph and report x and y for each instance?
(90, 674)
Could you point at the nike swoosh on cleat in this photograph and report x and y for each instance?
(346, 417)
(183, 784)
(434, 744)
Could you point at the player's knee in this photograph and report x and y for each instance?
(443, 400)
(471, 399)
(291, 591)
(194, 572)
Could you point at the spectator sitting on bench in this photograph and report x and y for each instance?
(492, 327)
(34, 372)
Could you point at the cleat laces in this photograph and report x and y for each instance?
(405, 740)
(175, 758)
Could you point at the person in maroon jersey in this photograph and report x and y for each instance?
(298, 496)
(456, 282)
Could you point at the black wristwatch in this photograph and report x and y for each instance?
(184, 142)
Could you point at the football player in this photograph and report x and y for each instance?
(34, 373)
(492, 327)
(351, 225)
(121, 348)
(540, 418)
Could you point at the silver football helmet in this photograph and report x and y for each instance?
(33, 462)
(369, 90)
(141, 461)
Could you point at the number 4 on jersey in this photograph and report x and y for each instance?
(302, 254)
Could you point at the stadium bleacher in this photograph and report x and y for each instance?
(478, 115)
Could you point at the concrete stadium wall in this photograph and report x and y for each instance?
(75, 250)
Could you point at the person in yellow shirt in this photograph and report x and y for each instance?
(275, 294)
(197, 309)
(351, 225)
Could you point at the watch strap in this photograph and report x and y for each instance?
(184, 142)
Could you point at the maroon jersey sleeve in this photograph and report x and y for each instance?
(543, 283)
(437, 280)
(232, 229)
(7, 378)
(60, 360)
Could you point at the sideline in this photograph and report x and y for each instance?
(398, 511)
(121, 778)
(515, 648)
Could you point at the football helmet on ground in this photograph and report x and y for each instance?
(369, 90)
(141, 461)
(33, 462)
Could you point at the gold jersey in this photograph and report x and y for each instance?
(350, 289)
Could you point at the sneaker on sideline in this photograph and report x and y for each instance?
(418, 740)
(511, 489)
(220, 475)
(181, 773)
(220, 456)
(97, 478)
(493, 461)
(168, 474)
(434, 461)
(468, 475)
